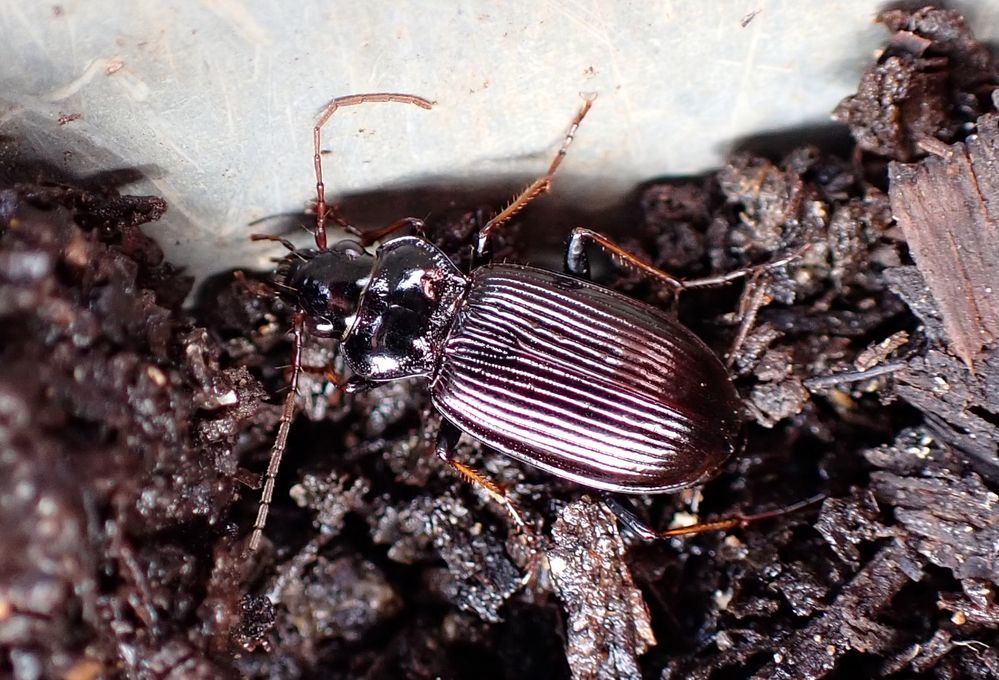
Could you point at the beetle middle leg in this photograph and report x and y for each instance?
(447, 441)
(538, 187)
(754, 297)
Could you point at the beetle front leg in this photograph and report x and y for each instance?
(350, 385)
(447, 442)
(355, 384)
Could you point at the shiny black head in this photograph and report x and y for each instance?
(329, 284)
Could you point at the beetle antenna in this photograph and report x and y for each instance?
(322, 210)
(281, 441)
(283, 241)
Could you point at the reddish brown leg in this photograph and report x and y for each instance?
(754, 298)
(536, 188)
(281, 441)
(322, 209)
(447, 439)
(643, 530)
(577, 263)
(327, 372)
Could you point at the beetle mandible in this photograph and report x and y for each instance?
(545, 367)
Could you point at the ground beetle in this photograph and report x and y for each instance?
(545, 367)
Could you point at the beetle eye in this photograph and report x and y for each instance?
(314, 296)
(349, 248)
(326, 305)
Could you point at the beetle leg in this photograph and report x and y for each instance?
(447, 440)
(322, 210)
(354, 384)
(755, 296)
(536, 188)
(820, 382)
(577, 263)
(642, 529)
(349, 385)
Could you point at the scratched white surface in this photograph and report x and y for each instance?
(214, 100)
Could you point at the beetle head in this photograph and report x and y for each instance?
(328, 285)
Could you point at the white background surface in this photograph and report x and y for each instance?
(214, 100)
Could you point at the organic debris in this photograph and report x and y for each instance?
(132, 434)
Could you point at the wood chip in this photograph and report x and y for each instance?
(948, 207)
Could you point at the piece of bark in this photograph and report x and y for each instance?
(948, 208)
(608, 625)
(962, 410)
(850, 623)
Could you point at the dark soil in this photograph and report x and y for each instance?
(132, 431)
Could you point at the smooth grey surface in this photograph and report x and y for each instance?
(214, 100)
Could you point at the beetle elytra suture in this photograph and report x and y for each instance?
(545, 367)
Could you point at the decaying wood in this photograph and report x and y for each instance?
(948, 207)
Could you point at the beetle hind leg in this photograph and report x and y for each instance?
(643, 530)
(447, 440)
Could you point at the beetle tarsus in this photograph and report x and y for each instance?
(826, 381)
